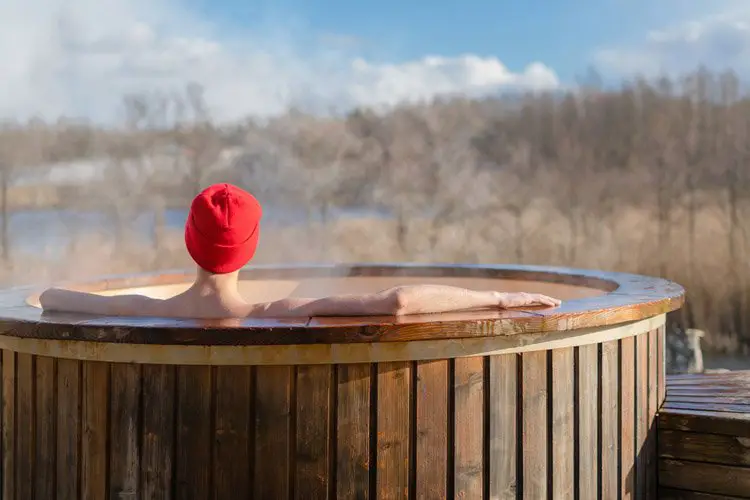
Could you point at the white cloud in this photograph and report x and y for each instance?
(719, 41)
(78, 57)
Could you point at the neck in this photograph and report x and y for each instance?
(219, 285)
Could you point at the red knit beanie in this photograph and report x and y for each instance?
(221, 232)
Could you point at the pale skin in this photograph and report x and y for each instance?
(216, 296)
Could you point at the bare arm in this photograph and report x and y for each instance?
(57, 299)
(404, 300)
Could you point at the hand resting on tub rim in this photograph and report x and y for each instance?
(221, 235)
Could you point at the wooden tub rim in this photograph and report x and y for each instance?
(628, 298)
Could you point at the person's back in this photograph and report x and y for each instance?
(221, 236)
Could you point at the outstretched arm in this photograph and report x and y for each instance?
(403, 300)
(57, 299)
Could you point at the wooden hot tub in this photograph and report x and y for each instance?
(479, 405)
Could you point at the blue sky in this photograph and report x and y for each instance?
(259, 58)
(564, 34)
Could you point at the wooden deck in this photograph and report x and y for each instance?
(704, 437)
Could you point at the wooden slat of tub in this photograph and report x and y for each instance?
(95, 412)
(433, 384)
(534, 432)
(69, 426)
(353, 453)
(627, 418)
(25, 473)
(194, 436)
(698, 447)
(273, 412)
(731, 424)
(677, 494)
(641, 412)
(610, 409)
(703, 477)
(563, 404)
(233, 394)
(394, 418)
(653, 407)
(124, 431)
(157, 462)
(9, 424)
(45, 439)
(469, 384)
(504, 432)
(314, 404)
(588, 427)
(662, 365)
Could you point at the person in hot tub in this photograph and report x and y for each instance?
(221, 235)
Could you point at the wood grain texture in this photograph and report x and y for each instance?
(627, 419)
(353, 429)
(125, 431)
(95, 412)
(69, 399)
(563, 410)
(159, 421)
(642, 423)
(469, 391)
(432, 408)
(534, 430)
(709, 448)
(194, 436)
(662, 366)
(609, 417)
(25, 420)
(676, 494)
(273, 431)
(588, 421)
(9, 424)
(45, 428)
(393, 438)
(653, 407)
(706, 478)
(504, 432)
(232, 432)
(314, 414)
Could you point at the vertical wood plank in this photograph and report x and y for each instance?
(69, 424)
(394, 415)
(272, 431)
(627, 418)
(534, 397)
(25, 466)
(641, 412)
(432, 429)
(194, 432)
(503, 381)
(662, 366)
(469, 427)
(233, 394)
(9, 424)
(651, 463)
(314, 405)
(563, 462)
(95, 409)
(157, 462)
(124, 430)
(610, 409)
(45, 440)
(588, 428)
(353, 431)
